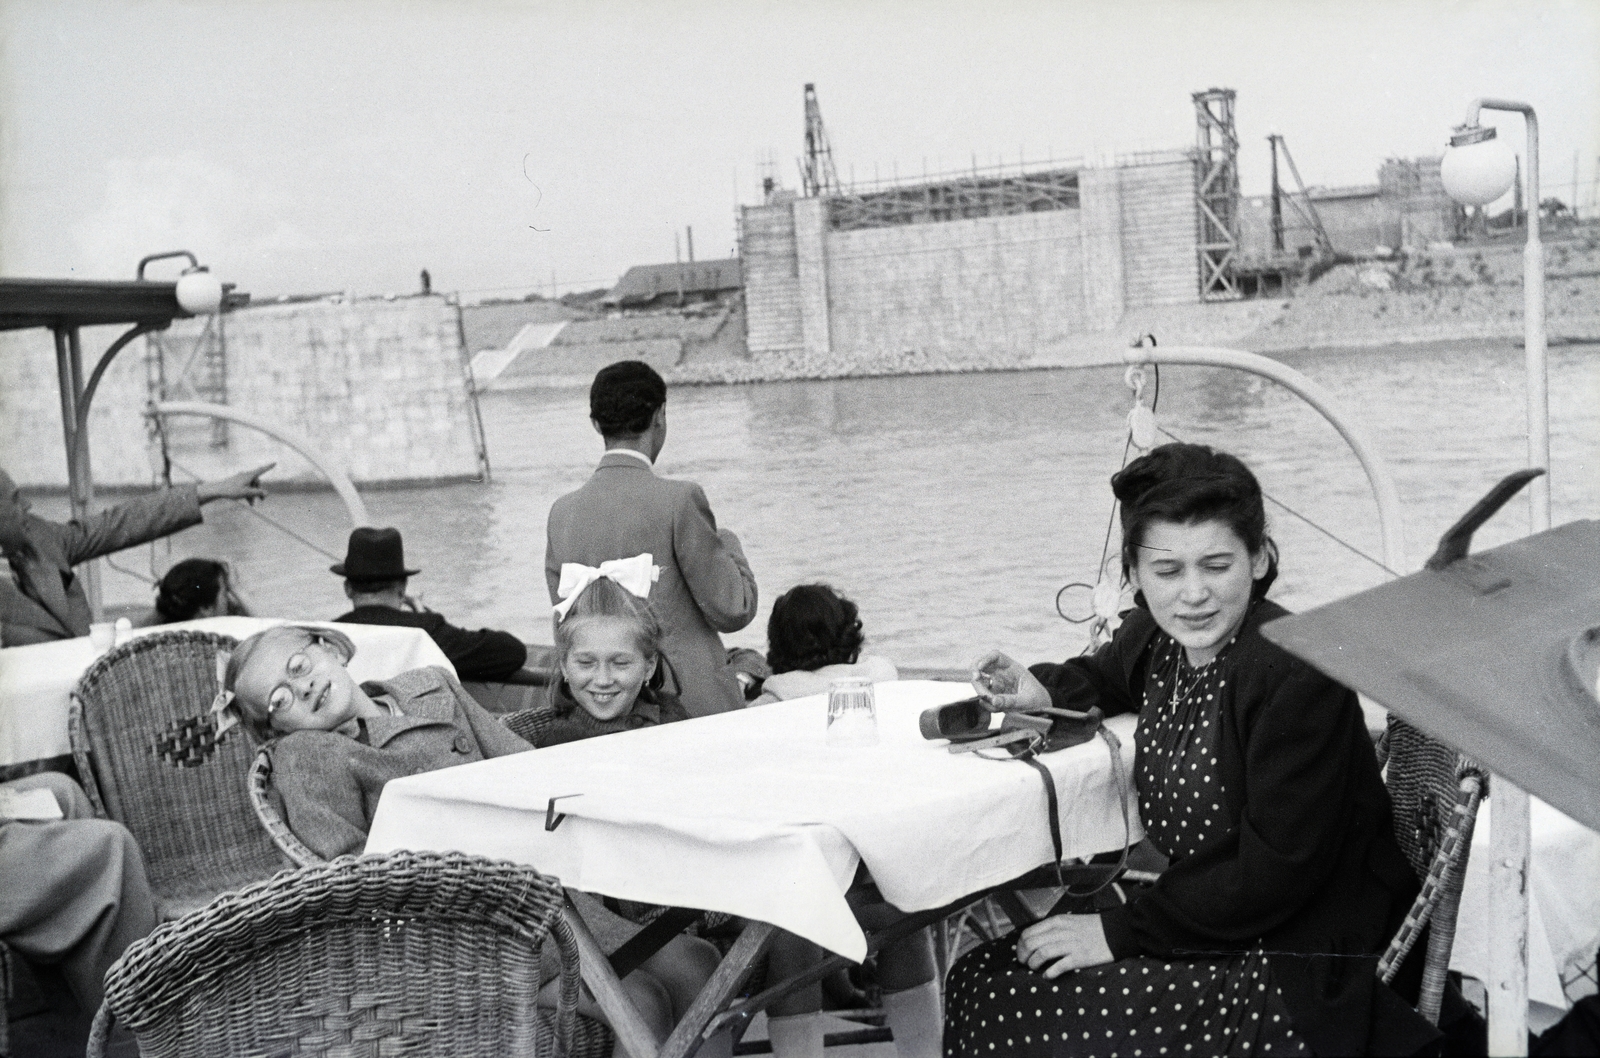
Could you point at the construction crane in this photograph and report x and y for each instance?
(817, 175)
(1308, 213)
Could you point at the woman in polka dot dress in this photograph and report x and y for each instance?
(1255, 778)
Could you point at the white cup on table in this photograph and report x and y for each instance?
(852, 712)
(102, 636)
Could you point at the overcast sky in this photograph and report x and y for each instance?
(312, 146)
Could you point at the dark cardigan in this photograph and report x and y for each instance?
(1310, 870)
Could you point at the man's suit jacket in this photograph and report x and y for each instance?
(706, 585)
(51, 603)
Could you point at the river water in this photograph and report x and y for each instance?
(951, 508)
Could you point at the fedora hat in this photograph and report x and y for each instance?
(374, 554)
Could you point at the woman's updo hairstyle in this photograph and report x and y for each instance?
(604, 597)
(624, 397)
(811, 626)
(254, 716)
(190, 585)
(1190, 483)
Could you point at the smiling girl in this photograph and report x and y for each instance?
(613, 674)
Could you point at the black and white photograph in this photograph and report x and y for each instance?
(874, 529)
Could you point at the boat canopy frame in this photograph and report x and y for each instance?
(66, 306)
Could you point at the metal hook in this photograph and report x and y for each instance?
(1133, 378)
(552, 818)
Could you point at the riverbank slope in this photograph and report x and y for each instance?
(1441, 295)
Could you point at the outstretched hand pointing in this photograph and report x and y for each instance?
(245, 485)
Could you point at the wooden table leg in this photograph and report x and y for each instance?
(636, 1038)
(729, 975)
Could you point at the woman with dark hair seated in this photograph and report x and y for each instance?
(195, 588)
(814, 637)
(1255, 777)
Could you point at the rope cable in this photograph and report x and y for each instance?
(135, 574)
(1111, 517)
(270, 521)
(1325, 532)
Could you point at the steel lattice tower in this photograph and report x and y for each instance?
(817, 175)
(1217, 192)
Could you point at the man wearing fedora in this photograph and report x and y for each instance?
(375, 576)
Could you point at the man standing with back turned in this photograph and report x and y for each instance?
(705, 585)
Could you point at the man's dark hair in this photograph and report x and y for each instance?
(624, 398)
(373, 587)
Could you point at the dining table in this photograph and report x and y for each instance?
(36, 681)
(755, 814)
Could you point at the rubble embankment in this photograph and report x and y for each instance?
(1438, 295)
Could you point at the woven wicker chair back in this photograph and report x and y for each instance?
(408, 953)
(1423, 784)
(141, 721)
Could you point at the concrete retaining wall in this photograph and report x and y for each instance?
(1160, 264)
(377, 387)
(981, 284)
(771, 278)
(977, 289)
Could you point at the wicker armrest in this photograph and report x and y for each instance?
(263, 801)
(1439, 898)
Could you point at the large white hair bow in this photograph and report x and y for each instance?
(636, 574)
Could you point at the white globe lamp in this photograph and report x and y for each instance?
(199, 292)
(1478, 168)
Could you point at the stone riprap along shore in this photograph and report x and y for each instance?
(1438, 295)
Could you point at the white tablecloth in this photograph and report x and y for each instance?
(752, 813)
(1563, 908)
(36, 681)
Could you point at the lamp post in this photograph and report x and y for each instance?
(1475, 172)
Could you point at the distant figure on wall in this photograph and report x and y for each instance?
(705, 585)
(42, 599)
(375, 578)
(427, 282)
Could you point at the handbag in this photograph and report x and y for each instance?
(1024, 736)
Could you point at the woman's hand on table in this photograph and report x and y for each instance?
(1005, 684)
(1063, 942)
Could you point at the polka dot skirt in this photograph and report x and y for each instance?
(1142, 1006)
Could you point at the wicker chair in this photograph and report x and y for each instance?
(5, 1001)
(408, 953)
(149, 757)
(1435, 792)
(590, 1038)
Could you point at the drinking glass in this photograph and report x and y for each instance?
(102, 636)
(852, 712)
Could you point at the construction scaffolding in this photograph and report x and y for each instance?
(957, 198)
(1217, 193)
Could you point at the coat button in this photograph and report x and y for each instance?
(463, 744)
